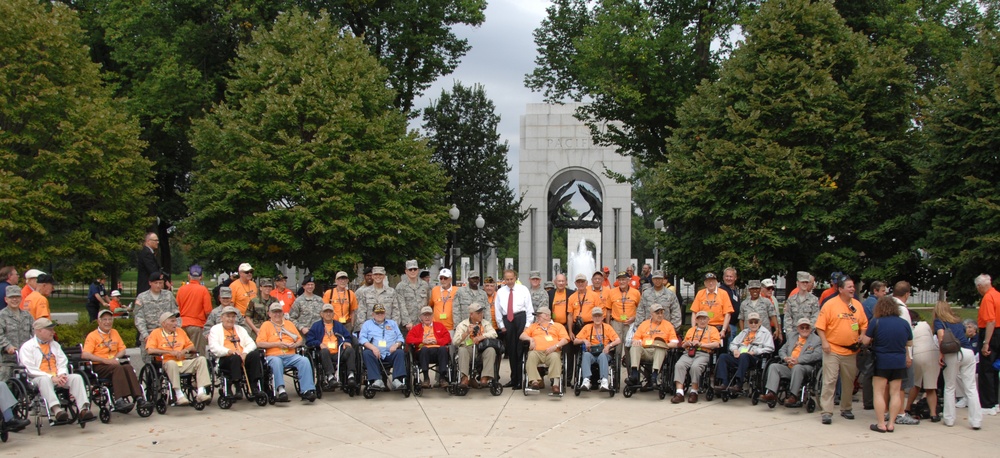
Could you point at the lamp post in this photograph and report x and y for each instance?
(480, 223)
(658, 224)
(454, 214)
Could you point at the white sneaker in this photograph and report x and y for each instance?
(182, 401)
(962, 403)
(585, 386)
(396, 384)
(604, 385)
(990, 411)
(378, 385)
(202, 397)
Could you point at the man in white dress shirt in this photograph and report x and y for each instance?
(514, 310)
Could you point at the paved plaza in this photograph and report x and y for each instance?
(511, 424)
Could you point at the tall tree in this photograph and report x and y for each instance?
(308, 163)
(796, 157)
(461, 127)
(961, 181)
(634, 60)
(411, 38)
(72, 171)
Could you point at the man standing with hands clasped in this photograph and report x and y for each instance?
(513, 306)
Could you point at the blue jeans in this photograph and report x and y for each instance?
(727, 363)
(373, 361)
(602, 363)
(301, 364)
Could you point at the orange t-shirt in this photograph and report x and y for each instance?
(705, 336)
(582, 303)
(25, 292)
(329, 338)
(560, 307)
(428, 334)
(344, 303)
(546, 337)
(623, 305)
(103, 345)
(194, 302)
(593, 335)
(242, 294)
(648, 333)
(841, 326)
(831, 291)
(161, 340)
(287, 334)
(286, 297)
(989, 308)
(38, 305)
(798, 347)
(48, 364)
(231, 340)
(717, 305)
(114, 304)
(441, 302)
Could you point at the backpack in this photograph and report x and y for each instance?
(949, 344)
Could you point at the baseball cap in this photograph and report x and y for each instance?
(476, 307)
(43, 323)
(168, 315)
(655, 307)
(326, 307)
(581, 277)
(710, 275)
(425, 310)
(32, 273)
(245, 267)
(753, 316)
(275, 306)
(803, 321)
(229, 309)
(114, 293)
(445, 273)
(489, 280)
(701, 314)
(45, 278)
(195, 271)
(767, 283)
(340, 275)
(378, 308)
(542, 310)
(597, 311)
(104, 312)
(622, 274)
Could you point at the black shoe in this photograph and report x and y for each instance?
(17, 424)
(62, 416)
(869, 407)
(510, 384)
(85, 416)
(847, 414)
(309, 395)
(350, 379)
(122, 405)
(237, 393)
(282, 397)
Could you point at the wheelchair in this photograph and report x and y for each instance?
(449, 374)
(542, 371)
(157, 387)
(808, 395)
(101, 390)
(269, 386)
(753, 385)
(228, 393)
(352, 389)
(665, 374)
(477, 370)
(385, 368)
(614, 372)
(30, 401)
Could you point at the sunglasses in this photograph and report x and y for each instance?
(753, 321)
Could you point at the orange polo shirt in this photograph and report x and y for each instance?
(161, 340)
(194, 302)
(344, 303)
(717, 305)
(546, 337)
(703, 337)
(648, 333)
(623, 305)
(329, 338)
(242, 294)
(288, 334)
(441, 302)
(590, 333)
(841, 326)
(560, 307)
(38, 305)
(286, 297)
(582, 303)
(103, 345)
(989, 308)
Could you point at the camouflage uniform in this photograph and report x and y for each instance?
(801, 305)
(147, 315)
(305, 310)
(368, 297)
(762, 306)
(15, 329)
(539, 297)
(257, 311)
(664, 297)
(465, 297)
(214, 319)
(413, 297)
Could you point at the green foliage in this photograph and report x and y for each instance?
(307, 162)
(961, 181)
(73, 173)
(71, 335)
(795, 157)
(461, 127)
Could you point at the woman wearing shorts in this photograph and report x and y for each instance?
(891, 340)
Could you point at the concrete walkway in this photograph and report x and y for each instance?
(507, 425)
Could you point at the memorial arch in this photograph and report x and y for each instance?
(567, 195)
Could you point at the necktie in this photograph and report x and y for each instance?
(510, 306)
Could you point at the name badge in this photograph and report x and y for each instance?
(548, 338)
(179, 363)
(855, 327)
(343, 319)
(744, 350)
(711, 314)
(624, 317)
(468, 342)
(443, 316)
(381, 343)
(647, 342)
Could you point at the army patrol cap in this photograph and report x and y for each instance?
(534, 274)
(13, 291)
(226, 292)
(802, 276)
(658, 274)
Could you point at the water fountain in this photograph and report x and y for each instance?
(581, 262)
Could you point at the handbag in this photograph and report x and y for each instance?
(485, 344)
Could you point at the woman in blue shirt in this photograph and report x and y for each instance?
(891, 340)
(961, 365)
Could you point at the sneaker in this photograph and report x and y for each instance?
(848, 414)
(605, 385)
(397, 384)
(677, 399)
(962, 403)
(906, 419)
(990, 411)
(181, 401)
(378, 385)
(585, 386)
(827, 418)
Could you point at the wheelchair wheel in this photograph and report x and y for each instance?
(23, 396)
(725, 396)
(810, 405)
(662, 393)
(628, 391)
(709, 394)
(754, 399)
(369, 393)
(144, 410)
(105, 415)
(198, 405)
(224, 402)
(3, 434)
(496, 389)
(260, 399)
(771, 404)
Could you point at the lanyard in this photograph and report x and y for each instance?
(106, 342)
(234, 339)
(166, 337)
(48, 358)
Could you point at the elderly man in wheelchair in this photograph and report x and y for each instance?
(798, 357)
(238, 358)
(105, 350)
(172, 345)
(48, 368)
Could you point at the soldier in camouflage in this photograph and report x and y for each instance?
(802, 305)
(659, 294)
(754, 304)
(257, 310)
(466, 296)
(539, 297)
(413, 293)
(379, 294)
(15, 328)
(149, 305)
(225, 300)
(307, 308)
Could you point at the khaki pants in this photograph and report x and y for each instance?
(552, 361)
(654, 354)
(197, 336)
(488, 357)
(620, 328)
(196, 366)
(695, 364)
(846, 367)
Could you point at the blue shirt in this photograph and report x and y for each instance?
(869, 306)
(95, 288)
(374, 333)
(3, 293)
(889, 345)
(959, 330)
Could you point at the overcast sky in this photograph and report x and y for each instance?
(503, 51)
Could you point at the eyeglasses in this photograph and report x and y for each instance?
(412, 268)
(753, 321)
(770, 288)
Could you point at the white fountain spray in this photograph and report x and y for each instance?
(581, 262)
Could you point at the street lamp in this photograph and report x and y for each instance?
(480, 223)
(658, 224)
(453, 213)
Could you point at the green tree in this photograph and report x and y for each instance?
(72, 171)
(634, 60)
(411, 38)
(961, 182)
(461, 127)
(796, 157)
(307, 162)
